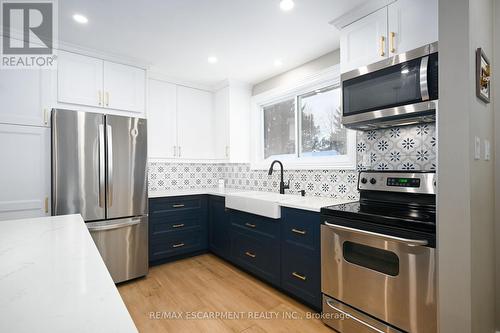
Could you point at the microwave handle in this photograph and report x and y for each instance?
(424, 87)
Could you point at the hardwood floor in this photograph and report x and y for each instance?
(196, 288)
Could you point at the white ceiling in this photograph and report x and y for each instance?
(176, 36)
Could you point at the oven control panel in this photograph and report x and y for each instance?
(393, 181)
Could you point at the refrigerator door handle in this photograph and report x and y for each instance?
(102, 158)
(110, 165)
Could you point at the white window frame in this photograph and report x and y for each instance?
(326, 78)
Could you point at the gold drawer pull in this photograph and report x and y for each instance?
(250, 254)
(178, 245)
(298, 276)
(250, 225)
(300, 232)
(178, 225)
(178, 205)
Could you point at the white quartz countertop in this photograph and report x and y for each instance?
(310, 203)
(52, 279)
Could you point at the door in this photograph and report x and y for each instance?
(195, 123)
(15, 87)
(162, 124)
(390, 278)
(364, 42)
(78, 164)
(219, 240)
(24, 171)
(124, 87)
(412, 24)
(126, 154)
(123, 245)
(79, 79)
(222, 112)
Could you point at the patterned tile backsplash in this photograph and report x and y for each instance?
(399, 148)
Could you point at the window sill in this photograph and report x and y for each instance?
(304, 165)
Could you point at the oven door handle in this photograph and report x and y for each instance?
(424, 86)
(348, 315)
(409, 242)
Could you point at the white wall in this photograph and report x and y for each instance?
(466, 279)
(299, 73)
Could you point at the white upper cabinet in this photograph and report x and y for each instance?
(24, 171)
(79, 79)
(195, 118)
(97, 83)
(124, 87)
(412, 24)
(22, 98)
(162, 120)
(222, 105)
(364, 41)
(396, 28)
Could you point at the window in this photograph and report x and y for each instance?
(304, 128)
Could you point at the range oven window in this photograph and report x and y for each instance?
(385, 262)
(393, 86)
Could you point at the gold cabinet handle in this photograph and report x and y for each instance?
(392, 47)
(46, 205)
(178, 205)
(178, 245)
(178, 225)
(250, 225)
(99, 96)
(107, 98)
(382, 46)
(250, 254)
(298, 276)
(300, 232)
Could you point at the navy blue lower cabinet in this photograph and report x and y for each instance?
(255, 245)
(178, 227)
(301, 255)
(219, 241)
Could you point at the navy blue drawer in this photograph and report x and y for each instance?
(174, 222)
(176, 244)
(301, 228)
(258, 225)
(171, 204)
(259, 256)
(301, 274)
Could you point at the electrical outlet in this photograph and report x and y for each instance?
(487, 150)
(366, 160)
(477, 148)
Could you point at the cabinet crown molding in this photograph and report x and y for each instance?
(359, 12)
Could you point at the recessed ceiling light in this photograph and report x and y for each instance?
(287, 5)
(278, 63)
(80, 18)
(212, 59)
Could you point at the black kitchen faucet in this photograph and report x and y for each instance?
(283, 186)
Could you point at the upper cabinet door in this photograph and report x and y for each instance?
(162, 120)
(124, 87)
(15, 87)
(24, 171)
(79, 79)
(364, 42)
(412, 24)
(221, 139)
(195, 123)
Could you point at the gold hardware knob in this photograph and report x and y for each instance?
(99, 96)
(300, 232)
(178, 245)
(298, 276)
(250, 254)
(107, 98)
(178, 205)
(382, 46)
(392, 48)
(178, 225)
(250, 225)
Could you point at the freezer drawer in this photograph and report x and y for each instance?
(123, 245)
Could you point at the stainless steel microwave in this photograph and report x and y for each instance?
(401, 90)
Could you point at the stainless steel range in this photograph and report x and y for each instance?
(378, 256)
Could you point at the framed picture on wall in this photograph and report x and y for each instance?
(483, 76)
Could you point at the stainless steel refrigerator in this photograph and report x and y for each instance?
(99, 170)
